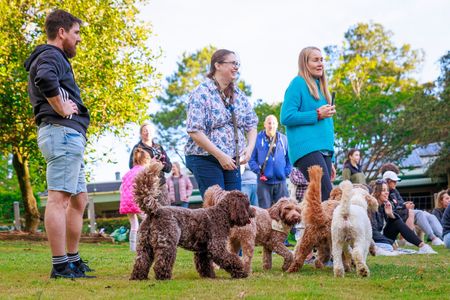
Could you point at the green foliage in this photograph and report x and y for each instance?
(263, 109)
(113, 68)
(373, 81)
(171, 117)
(109, 224)
(426, 118)
(7, 199)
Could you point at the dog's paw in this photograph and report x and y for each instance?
(339, 272)
(239, 274)
(364, 271)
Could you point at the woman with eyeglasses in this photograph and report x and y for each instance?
(307, 112)
(221, 125)
(386, 224)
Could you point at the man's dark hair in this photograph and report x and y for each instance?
(57, 19)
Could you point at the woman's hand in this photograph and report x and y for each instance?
(388, 210)
(409, 205)
(226, 162)
(327, 111)
(333, 172)
(245, 156)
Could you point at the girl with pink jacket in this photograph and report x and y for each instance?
(127, 205)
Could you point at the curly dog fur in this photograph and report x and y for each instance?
(316, 216)
(259, 232)
(351, 230)
(203, 231)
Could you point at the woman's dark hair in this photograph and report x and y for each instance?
(350, 153)
(389, 167)
(219, 57)
(57, 19)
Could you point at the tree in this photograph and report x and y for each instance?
(263, 109)
(373, 81)
(113, 67)
(430, 110)
(171, 117)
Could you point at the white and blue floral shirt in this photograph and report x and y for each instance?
(206, 112)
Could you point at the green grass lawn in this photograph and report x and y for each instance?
(25, 269)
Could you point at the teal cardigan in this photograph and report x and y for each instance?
(298, 113)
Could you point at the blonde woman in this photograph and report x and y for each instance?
(441, 203)
(307, 113)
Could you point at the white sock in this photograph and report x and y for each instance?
(133, 238)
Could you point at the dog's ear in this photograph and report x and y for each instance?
(275, 211)
(336, 194)
(239, 203)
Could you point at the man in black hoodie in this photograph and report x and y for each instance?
(63, 120)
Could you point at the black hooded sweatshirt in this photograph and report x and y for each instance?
(50, 74)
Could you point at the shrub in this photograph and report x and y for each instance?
(110, 224)
(7, 200)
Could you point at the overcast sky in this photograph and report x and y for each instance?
(268, 36)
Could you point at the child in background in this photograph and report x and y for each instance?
(127, 205)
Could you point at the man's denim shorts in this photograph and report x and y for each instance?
(63, 150)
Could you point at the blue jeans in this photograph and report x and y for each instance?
(250, 191)
(208, 172)
(428, 223)
(63, 150)
(447, 240)
(271, 193)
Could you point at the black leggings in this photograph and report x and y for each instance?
(317, 158)
(395, 226)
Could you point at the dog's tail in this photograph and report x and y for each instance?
(346, 187)
(147, 188)
(313, 212)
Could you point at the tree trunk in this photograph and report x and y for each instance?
(20, 164)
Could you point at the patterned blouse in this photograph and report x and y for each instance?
(206, 112)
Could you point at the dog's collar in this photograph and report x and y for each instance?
(280, 226)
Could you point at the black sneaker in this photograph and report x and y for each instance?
(79, 273)
(84, 267)
(66, 273)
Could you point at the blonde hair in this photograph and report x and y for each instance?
(152, 131)
(439, 198)
(304, 72)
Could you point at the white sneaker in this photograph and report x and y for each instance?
(381, 252)
(426, 249)
(437, 242)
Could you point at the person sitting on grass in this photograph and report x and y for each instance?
(386, 224)
(427, 222)
(446, 227)
(441, 203)
(352, 169)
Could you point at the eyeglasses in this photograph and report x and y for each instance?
(234, 63)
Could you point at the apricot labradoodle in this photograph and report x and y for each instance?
(269, 229)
